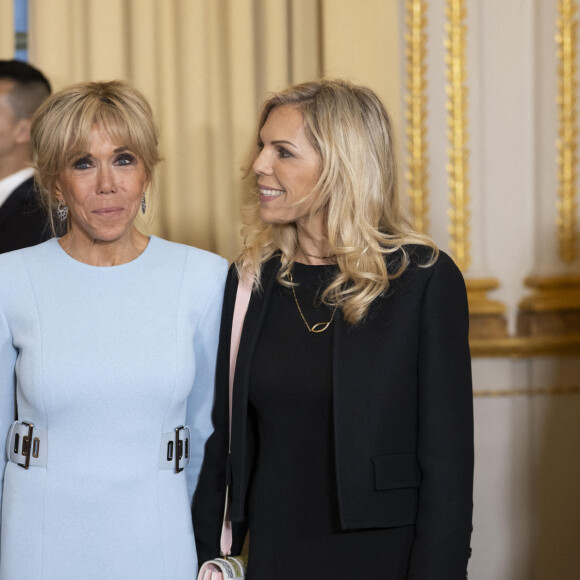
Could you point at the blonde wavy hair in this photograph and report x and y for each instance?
(357, 192)
(61, 130)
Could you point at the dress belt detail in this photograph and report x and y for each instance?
(27, 445)
(175, 449)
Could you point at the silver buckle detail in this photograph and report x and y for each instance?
(181, 448)
(27, 443)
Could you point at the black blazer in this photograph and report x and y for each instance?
(23, 222)
(403, 417)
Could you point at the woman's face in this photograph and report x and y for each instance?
(287, 168)
(103, 188)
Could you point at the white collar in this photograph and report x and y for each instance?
(10, 183)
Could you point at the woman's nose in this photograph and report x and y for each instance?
(261, 165)
(106, 180)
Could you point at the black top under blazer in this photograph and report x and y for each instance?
(403, 417)
(23, 222)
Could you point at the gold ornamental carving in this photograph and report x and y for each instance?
(567, 144)
(487, 317)
(458, 152)
(526, 346)
(529, 392)
(477, 289)
(552, 293)
(416, 112)
(553, 307)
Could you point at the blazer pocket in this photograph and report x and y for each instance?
(396, 471)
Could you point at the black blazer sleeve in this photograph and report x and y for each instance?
(445, 430)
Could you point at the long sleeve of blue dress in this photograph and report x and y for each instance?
(7, 387)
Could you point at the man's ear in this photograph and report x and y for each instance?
(22, 131)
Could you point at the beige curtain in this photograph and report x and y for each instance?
(205, 65)
(6, 29)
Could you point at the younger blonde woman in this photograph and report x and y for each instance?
(352, 428)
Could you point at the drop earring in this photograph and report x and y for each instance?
(143, 204)
(61, 210)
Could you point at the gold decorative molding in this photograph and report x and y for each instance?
(486, 317)
(416, 112)
(552, 293)
(553, 307)
(457, 132)
(479, 303)
(567, 144)
(526, 346)
(532, 391)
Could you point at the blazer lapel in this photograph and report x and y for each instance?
(251, 330)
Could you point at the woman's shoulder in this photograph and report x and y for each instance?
(425, 263)
(422, 256)
(196, 257)
(17, 259)
(408, 258)
(19, 269)
(201, 274)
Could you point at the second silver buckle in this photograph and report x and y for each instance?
(178, 449)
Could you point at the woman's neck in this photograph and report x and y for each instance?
(313, 249)
(104, 254)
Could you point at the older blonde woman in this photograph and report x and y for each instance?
(108, 341)
(352, 435)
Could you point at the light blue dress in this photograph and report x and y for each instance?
(106, 360)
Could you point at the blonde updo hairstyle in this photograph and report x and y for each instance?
(357, 192)
(61, 130)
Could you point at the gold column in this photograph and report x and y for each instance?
(567, 145)
(458, 151)
(416, 113)
(487, 317)
(553, 308)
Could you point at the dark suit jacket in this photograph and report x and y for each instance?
(23, 222)
(403, 417)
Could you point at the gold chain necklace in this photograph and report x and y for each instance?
(319, 326)
(330, 257)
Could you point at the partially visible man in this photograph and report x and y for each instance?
(22, 221)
